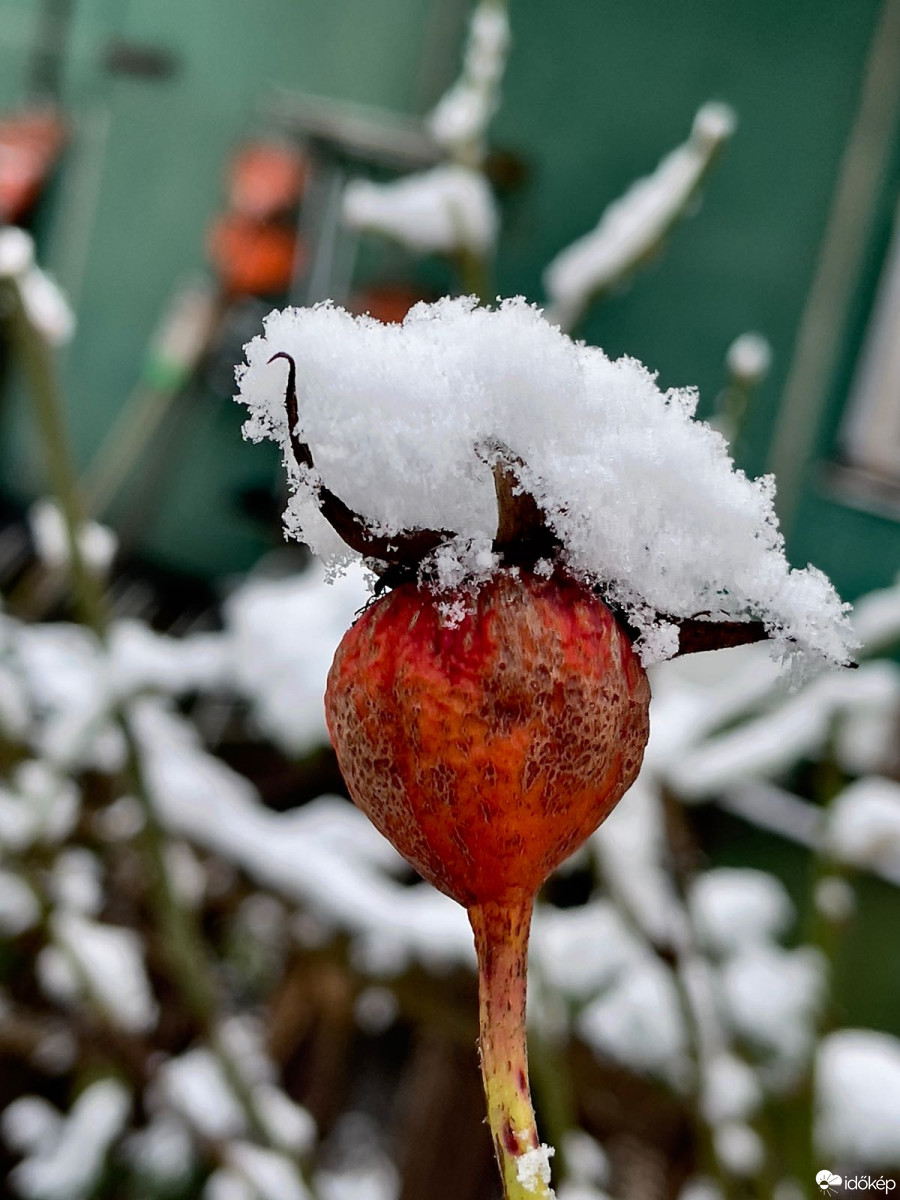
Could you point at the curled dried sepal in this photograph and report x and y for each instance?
(407, 548)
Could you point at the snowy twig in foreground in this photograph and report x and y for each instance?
(633, 228)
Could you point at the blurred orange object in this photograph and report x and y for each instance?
(266, 179)
(252, 259)
(388, 302)
(30, 145)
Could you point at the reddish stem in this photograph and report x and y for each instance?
(501, 943)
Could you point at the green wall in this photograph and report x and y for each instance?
(596, 93)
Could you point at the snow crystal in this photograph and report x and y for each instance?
(858, 1098)
(442, 210)
(109, 961)
(864, 825)
(533, 1168)
(734, 907)
(68, 1168)
(645, 500)
(632, 227)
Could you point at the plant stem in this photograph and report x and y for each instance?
(501, 944)
(36, 357)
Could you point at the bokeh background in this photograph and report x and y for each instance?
(216, 980)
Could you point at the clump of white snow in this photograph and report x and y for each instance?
(645, 500)
(65, 1164)
(736, 907)
(45, 305)
(106, 962)
(864, 825)
(858, 1098)
(533, 1167)
(447, 208)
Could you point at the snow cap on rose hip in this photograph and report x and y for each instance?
(636, 497)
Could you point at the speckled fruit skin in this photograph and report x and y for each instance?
(486, 750)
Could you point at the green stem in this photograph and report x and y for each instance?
(36, 357)
(501, 944)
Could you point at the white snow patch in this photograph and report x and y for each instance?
(68, 1168)
(736, 907)
(96, 543)
(533, 1168)
(442, 210)
(740, 1148)
(772, 998)
(858, 1098)
(731, 1090)
(637, 1021)
(108, 961)
(864, 825)
(271, 1175)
